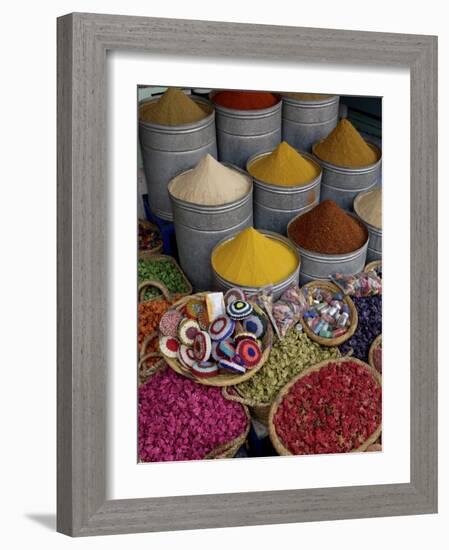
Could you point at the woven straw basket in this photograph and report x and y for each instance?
(353, 316)
(227, 450)
(375, 343)
(276, 440)
(147, 253)
(224, 379)
(259, 411)
(373, 265)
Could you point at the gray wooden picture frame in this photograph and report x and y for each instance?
(83, 40)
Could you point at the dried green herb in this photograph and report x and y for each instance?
(288, 357)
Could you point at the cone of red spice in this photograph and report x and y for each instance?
(327, 229)
(245, 101)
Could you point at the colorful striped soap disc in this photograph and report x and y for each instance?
(234, 294)
(169, 322)
(202, 346)
(227, 347)
(242, 335)
(169, 346)
(203, 319)
(185, 356)
(254, 324)
(194, 308)
(205, 369)
(221, 328)
(250, 352)
(187, 331)
(239, 309)
(216, 353)
(226, 364)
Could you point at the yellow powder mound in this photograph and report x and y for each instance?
(344, 146)
(252, 259)
(284, 166)
(172, 109)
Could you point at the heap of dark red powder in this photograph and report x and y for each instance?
(327, 229)
(245, 101)
(332, 410)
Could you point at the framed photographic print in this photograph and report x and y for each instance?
(233, 347)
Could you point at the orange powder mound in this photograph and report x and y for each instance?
(284, 166)
(344, 146)
(173, 109)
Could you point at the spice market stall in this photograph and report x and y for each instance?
(259, 325)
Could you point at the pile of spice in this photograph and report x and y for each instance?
(179, 419)
(327, 229)
(328, 315)
(305, 96)
(344, 146)
(149, 315)
(253, 259)
(216, 335)
(165, 271)
(284, 166)
(332, 410)
(368, 206)
(369, 326)
(149, 237)
(288, 357)
(173, 108)
(245, 101)
(210, 183)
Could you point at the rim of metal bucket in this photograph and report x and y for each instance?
(271, 234)
(246, 113)
(180, 128)
(281, 189)
(347, 170)
(311, 103)
(320, 257)
(212, 208)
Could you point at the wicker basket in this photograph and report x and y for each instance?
(157, 284)
(145, 370)
(275, 439)
(227, 450)
(258, 411)
(375, 343)
(162, 257)
(225, 379)
(147, 253)
(353, 317)
(373, 265)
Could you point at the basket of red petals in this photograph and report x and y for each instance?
(332, 407)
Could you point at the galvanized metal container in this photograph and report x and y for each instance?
(276, 205)
(374, 251)
(199, 228)
(306, 121)
(315, 266)
(241, 134)
(343, 184)
(169, 150)
(278, 288)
